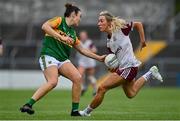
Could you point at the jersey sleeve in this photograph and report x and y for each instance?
(129, 27)
(55, 22)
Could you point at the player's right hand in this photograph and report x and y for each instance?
(67, 40)
(143, 44)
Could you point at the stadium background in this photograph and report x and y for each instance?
(20, 30)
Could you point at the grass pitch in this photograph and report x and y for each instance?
(149, 104)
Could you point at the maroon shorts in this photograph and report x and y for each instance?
(128, 73)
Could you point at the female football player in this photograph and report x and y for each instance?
(59, 39)
(119, 43)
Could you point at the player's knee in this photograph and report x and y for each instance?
(101, 89)
(131, 94)
(53, 83)
(77, 79)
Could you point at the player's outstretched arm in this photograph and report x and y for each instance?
(88, 53)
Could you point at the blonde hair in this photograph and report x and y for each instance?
(116, 22)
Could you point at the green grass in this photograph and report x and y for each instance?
(150, 103)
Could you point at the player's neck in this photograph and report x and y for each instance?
(109, 32)
(68, 21)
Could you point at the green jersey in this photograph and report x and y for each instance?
(55, 48)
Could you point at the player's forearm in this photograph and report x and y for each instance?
(90, 54)
(141, 32)
(142, 37)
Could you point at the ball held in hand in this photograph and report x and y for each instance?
(111, 61)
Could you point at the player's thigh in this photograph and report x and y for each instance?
(49, 67)
(113, 80)
(51, 73)
(69, 71)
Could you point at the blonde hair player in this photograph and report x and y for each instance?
(59, 39)
(119, 43)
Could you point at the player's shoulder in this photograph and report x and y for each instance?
(55, 18)
(129, 23)
(60, 19)
(55, 21)
(129, 27)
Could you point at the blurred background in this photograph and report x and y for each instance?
(21, 35)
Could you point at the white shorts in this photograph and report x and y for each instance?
(46, 61)
(87, 64)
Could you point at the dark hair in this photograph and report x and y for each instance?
(70, 8)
